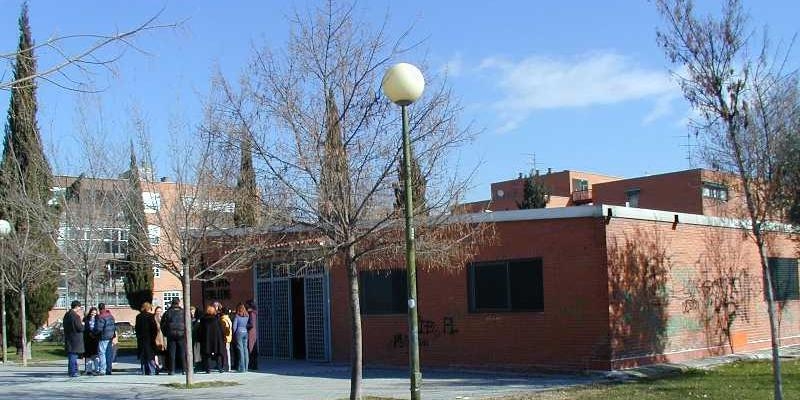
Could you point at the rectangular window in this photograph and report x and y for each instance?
(156, 272)
(152, 202)
(579, 185)
(715, 191)
(784, 274)
(516, 285)
(154, 234)
(383, 292)
(632, 198)
(168, 296)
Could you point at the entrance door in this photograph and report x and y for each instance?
(294, 306)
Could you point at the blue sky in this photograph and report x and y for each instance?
(580, 84)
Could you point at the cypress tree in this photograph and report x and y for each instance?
(535, 193)
(334, 180)
(139, 258)
(246, 211)
(25, 174)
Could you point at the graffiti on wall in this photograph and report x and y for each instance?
(429, 331)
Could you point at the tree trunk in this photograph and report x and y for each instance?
(773, 325)
(23, 327)
(188, 362)
(3, 305)
(356, 360)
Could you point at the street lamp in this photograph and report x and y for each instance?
(403, 84)
(5, 230)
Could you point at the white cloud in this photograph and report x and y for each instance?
(661, 108)
(541, 83)
(453, 67)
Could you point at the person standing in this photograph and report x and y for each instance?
(227, 335)
(73, 337)
(146, 330)
(106, 330)
(91, 359)
(161, 341)
(240, 323)
(174, 328)
(209, 333)
(252, 336)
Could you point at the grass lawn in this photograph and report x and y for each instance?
(51, 351)
(741, 381)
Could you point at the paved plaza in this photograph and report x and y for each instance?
(276, 380)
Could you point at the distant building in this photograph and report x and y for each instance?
(94, 230)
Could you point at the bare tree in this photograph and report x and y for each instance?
(30, 257)
(330, 144)
(191, 215)
(747, 102)
(73, 68)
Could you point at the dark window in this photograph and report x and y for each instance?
(219, 289)
(715, 191)
(383, 292)
(632, 198)
(783, 272)
(506, 286)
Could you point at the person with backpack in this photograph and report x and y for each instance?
(106, 329)
(174, 328)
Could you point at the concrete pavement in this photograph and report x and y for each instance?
(290, 380)
(284, 380)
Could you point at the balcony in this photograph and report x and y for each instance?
(582, 196)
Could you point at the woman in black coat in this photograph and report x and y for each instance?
(209, 334)
(146, 331)
(90, 341)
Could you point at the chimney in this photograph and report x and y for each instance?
(520, 175)
(549, 171)
(537, 172)
(163, 179)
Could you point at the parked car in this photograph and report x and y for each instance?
(125, 330)
(53, 332)
(42, 334)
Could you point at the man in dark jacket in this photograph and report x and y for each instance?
(73, 337)
(105, 328)
(173, 328)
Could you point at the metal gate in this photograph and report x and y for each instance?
(274, 294)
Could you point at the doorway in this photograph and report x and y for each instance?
(298, 319)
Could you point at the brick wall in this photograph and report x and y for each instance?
(711, 275)
(570, 333)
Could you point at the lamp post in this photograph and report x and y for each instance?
(5, 230)
(403, 84)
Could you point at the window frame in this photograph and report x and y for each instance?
(397, 304)
(714, 190)
(790, 290)
(509, 291)
(633, 193)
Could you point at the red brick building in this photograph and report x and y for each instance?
(585, 287)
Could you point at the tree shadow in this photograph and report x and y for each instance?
(638, 273)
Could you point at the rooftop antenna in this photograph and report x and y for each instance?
(689, 146)
(532, 161)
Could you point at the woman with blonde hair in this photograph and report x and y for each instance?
(146, 332)
(161, 341)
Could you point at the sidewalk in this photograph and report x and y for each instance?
(289, 380)
(278, 380)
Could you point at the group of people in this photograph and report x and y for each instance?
(91, 337)
(213, 334)
(225, 336)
